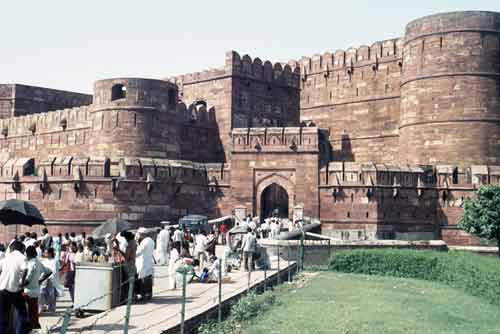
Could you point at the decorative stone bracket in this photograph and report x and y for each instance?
(149, 183)
(115, 185)
(16, 185)
(44, 184)
(78, 181)
(63, 124)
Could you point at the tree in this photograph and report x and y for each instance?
(482, 214)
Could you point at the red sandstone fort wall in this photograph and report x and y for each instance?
(18, 100)
(409, 130)
(450, 95)
(265, 94)
(355, 94)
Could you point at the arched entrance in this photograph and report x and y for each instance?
(274, 201)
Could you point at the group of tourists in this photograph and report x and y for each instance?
(271, 227)
(34, 270)
(29, 281)
(177, 247)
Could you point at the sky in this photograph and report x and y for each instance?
(70, 44)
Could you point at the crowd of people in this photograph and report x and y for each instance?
(36, 270)
(29, 280)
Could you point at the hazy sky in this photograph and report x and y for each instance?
(70, 44)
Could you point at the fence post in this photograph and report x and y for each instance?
(289, 270)
(249, 278)
(129, 303)
(183, 302)
(65, 323)
(220, 291)
(279, 276)
(329, 249)
(265, 278)
(302, 251)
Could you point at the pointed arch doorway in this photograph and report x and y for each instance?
(274, 201)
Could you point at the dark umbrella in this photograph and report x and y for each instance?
(111, 226)
(18, 212)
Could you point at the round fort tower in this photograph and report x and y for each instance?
(450, 90)
(136, 118)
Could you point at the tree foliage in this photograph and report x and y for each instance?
(482, 213)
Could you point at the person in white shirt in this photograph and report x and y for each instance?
(51, 288)
(200, 248)
(30, 239)
(37, 273)
(174, 257)
(144, 264)
(178, 235)
(264, 229)
(46, 239)
(273, 229)
(13, 271)
(248, 249)
(214, 271)
(252, 224)
(163, 244)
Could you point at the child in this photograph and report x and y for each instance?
(37, 273)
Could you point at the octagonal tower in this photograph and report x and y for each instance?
(135, 117)
(450, 90)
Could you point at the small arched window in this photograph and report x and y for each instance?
(118, 91)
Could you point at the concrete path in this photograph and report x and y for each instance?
(163, 311)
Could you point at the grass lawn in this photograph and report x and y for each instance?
(351, 304)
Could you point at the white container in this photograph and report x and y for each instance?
(97, 286)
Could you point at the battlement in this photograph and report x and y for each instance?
(290, 139)
(17, 100)
(58, 120)
(206, 75)
(378, 52)
(196, 114)
(284, 74)
(245, 66)
(340, 174)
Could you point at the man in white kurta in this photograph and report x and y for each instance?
(144, 263)
(162, 245)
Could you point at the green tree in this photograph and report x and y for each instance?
(482, 214)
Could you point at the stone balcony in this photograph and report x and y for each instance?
(274, 140)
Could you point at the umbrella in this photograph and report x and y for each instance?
(15, 211)
(111, 226)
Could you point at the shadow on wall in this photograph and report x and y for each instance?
(325, 148)
(345, 153)
(200, 138)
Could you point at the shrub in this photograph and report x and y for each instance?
(475, 274)
(245, 309)
(252, 305)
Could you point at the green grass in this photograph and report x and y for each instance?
(475, 274)
(350, 304)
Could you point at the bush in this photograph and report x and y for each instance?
(245, 309)
(475, 274)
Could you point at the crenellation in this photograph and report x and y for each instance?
(378, 141)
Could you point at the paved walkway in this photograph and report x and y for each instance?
(163, 311)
